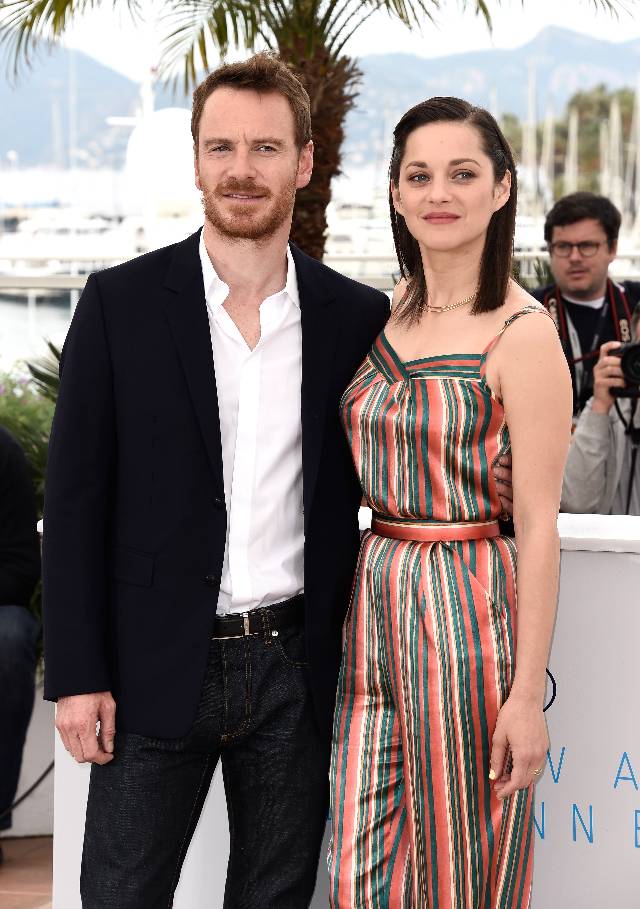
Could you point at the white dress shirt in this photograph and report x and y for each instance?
(260, 424)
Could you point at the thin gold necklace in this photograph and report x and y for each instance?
(430, 308)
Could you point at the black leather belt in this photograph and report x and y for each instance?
(267, 620)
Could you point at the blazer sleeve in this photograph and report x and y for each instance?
(588, 485)
(78, 480)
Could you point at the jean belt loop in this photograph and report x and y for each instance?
(266, 615)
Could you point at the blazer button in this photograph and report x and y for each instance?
(218, 501)
(211, 580)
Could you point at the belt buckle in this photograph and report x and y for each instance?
(245, 623)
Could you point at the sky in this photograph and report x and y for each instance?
(131, 48)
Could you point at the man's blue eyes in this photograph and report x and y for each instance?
(223, 148)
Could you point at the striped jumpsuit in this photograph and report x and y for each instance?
(429, 648)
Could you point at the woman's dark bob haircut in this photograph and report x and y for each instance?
(495, 265)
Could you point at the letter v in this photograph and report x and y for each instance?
(556, 773)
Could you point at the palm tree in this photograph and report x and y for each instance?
(309, 34)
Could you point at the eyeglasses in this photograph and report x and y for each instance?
(587, 248)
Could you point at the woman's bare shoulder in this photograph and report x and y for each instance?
(532, 330)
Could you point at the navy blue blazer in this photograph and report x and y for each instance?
(135, 515)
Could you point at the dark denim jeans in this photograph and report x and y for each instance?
(18, 638)
(256, 715)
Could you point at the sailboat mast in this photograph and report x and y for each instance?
(571, 159)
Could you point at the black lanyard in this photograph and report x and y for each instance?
(595, 348)
(621, 318)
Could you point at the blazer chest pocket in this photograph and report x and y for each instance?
(132, 567)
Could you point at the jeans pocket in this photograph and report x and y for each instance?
(290, 644)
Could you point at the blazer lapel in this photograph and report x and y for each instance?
(319, 330)
(186, 311)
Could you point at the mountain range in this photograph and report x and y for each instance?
(36, 108)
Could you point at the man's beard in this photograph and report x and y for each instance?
(240, 222)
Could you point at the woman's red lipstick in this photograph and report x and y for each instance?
(441, 217)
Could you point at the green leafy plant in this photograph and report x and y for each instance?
(543, 272)
(27, 414)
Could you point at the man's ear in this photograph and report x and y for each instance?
(305, 165)
(196, 169)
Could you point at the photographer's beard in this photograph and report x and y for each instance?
(248, 220)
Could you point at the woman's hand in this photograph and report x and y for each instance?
(519, 746)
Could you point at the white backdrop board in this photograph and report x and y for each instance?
(587, 813)
(587, 836)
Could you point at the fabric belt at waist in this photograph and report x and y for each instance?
(264, 620)
(432, 531)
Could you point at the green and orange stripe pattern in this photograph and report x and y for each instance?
(429, 653)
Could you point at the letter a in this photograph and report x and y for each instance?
(628, 779)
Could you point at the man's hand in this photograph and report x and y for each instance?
(607, 374)
(77, 718)
(502, 474)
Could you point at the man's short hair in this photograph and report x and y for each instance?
(264, 72)
(577, 207)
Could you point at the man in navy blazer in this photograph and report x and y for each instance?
(201, 523)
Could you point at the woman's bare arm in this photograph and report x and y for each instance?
(536, 392)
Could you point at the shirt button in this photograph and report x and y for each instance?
(218, 501)
(211, 580)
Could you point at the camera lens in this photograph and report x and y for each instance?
(630, 363)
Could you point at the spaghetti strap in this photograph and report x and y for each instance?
(516, 315)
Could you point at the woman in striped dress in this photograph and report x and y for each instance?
(439, 728)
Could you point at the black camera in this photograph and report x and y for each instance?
(630, 364)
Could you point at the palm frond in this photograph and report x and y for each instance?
(27, 25)
(199, 27)
(347, 30)
(343, 21)
(410, 12)
(340, 22)
(277, 16)
(482, 9)
(45, 373)
(613, 6)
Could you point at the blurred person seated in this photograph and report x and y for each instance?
(19, 574)
(601, 474)
(588, 307)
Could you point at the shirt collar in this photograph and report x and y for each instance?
(588, 304)
(216, 291)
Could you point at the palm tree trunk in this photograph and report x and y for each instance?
(332, 87)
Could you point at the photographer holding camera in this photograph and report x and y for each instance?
(588, 307)
(601, 474)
